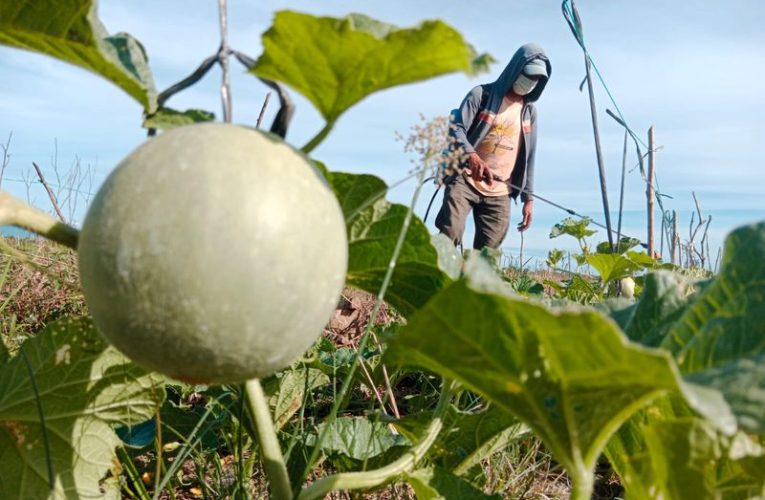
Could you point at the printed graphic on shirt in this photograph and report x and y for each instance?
(499, 149)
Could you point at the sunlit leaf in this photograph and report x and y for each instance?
(374, 225)
(449, 257)
(666, 452)
(85, 388)
(719, 341)
(612, 267)
(578, 228)
(642, 259)
(569, 374)
(336, 62)
(291, 390)
(742, 383)
(359, 438)
(625, 243)
(72, 32)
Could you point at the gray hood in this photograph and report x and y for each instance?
(522, 56)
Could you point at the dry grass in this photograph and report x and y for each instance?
(40, 283)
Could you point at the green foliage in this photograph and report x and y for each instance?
(554, 257)
(525, 284)
(290, 389)
(673, 388)
(720, 338)
(335, 63)
(664, 451)
(373, 229)
(612, 267)
(167, 118)
(84, 389)
(570, 375)
(71, 31)
(578, 228)
(665, 297)
(353, 441)
(625, 243)
(449, 258)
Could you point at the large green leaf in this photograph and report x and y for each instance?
(569, 374)
(742, 383)
(611, 266)
(665, 452)
(720, 339)
(374, 225)
(290, 390)
(335, 63)
(625, 244)
(727, 321)
(359, 438)
(662, 451)
(70, 30)
(84, 389)
(449, 257)
(434, 483)
(578, 228)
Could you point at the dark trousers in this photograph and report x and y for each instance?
(491, 214)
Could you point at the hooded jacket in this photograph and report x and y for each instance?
(473, 120)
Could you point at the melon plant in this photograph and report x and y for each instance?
(213, 253)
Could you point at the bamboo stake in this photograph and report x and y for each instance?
(649, 192)
(621, 193)
(674, 237)
(576, 26)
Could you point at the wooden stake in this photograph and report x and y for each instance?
(649, 192)
(674, 238)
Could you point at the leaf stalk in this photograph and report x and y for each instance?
(14, 212)
(273, 460)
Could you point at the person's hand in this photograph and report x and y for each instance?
(528, 208)
(479, 169)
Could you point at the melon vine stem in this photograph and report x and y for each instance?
(377, 477)
(368, 330)
(582, 487)
(14, 212)
(273, 460)
(318, 138)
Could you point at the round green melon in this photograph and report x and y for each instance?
(213, 254)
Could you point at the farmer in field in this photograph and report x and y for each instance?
(495, 128)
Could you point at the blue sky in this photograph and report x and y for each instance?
(694, 70)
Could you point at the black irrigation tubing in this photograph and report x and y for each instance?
(536, 197)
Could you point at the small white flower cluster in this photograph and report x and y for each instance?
(434, 146)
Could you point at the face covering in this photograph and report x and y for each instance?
(524, 85)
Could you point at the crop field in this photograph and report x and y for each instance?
(318, 341)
